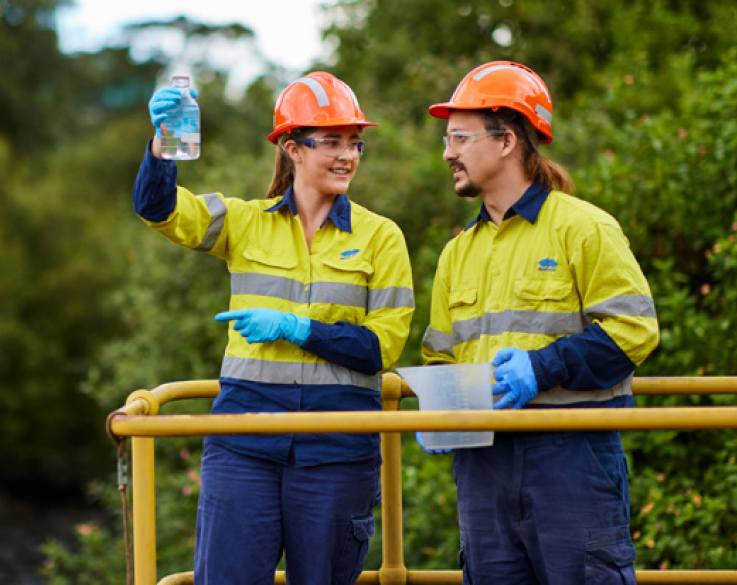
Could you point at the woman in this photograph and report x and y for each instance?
(321, 304)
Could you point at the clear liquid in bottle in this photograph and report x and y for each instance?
(180, 132)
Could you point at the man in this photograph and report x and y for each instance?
(545, 286)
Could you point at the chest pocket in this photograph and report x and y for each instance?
(266, 260)
(462, 303)
(341, 293)
(269, 275)
(533, 292)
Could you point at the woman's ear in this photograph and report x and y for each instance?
(292, 151)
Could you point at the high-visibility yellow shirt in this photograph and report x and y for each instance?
(355, 285)
(557, 278)
(360, 277)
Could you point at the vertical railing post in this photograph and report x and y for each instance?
(393, 571)
(144, 495)
(144, 511)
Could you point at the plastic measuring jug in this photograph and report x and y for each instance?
(452, 387)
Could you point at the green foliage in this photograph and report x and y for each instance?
(96, 305)
(99, 556)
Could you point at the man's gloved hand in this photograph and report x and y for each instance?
(264, 325)
(430, 451)
(161, 104)
(515, 378)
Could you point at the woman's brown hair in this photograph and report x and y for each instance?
(283, 167)
(537, 167)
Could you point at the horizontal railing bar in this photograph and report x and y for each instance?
(644, 577)
(569, 419)
(640, 386)
(677, 577)
(685, 385)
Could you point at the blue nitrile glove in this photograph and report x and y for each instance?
(162, 102)
(264, 325)
(515, 378)
(418, 434)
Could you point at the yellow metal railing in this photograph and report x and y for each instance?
(137, 421)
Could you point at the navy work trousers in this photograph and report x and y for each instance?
(545, 509)
(251, 510)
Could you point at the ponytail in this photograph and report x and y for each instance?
(537, 167)
(543, 170)
(283, 175)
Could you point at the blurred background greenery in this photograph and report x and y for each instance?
(95, 305)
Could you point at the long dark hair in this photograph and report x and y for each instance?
(537, 167)
(283, 166)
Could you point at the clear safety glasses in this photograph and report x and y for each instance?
(333, 147)
(457, 141)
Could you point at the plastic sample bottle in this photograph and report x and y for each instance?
(180, 133)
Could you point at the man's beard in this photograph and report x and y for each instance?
(470, 190)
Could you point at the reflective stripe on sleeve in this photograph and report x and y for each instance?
(626, 305)
(217, 210)
(392, 297)
(560, 396)
(438, 342)
(296, 373)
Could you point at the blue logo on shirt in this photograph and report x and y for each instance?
(547, 265)
(348, 254)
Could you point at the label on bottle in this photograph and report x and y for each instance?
(190, 137)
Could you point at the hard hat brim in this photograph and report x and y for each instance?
(273, 137)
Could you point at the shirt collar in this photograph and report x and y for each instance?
(528, 206)
(340, 212)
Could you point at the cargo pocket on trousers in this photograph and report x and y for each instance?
(610, 557)
(463, 565)
(355, 548)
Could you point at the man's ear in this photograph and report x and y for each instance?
(510, 142)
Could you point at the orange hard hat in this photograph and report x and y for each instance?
(503, 84)
(317, 99)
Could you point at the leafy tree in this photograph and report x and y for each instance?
(644, 97)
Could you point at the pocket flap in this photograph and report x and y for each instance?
(351, 266)
(612, 546)
(542, 289)
(462, 296)
(363, 528)
(262, 257)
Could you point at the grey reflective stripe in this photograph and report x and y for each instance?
(392, 297)
(518, 322)
(320, 374)
(332, 293)
(353, 95)
(626, 305)
(438, 342)
(266, 285)
(337, 293)
(217, 210)
(544, 113)
(320, 95)
(484, 72)
(560, 396)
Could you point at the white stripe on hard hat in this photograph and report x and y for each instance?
(353, 95)
(320, 95)
(484, 72)
(544, 113)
